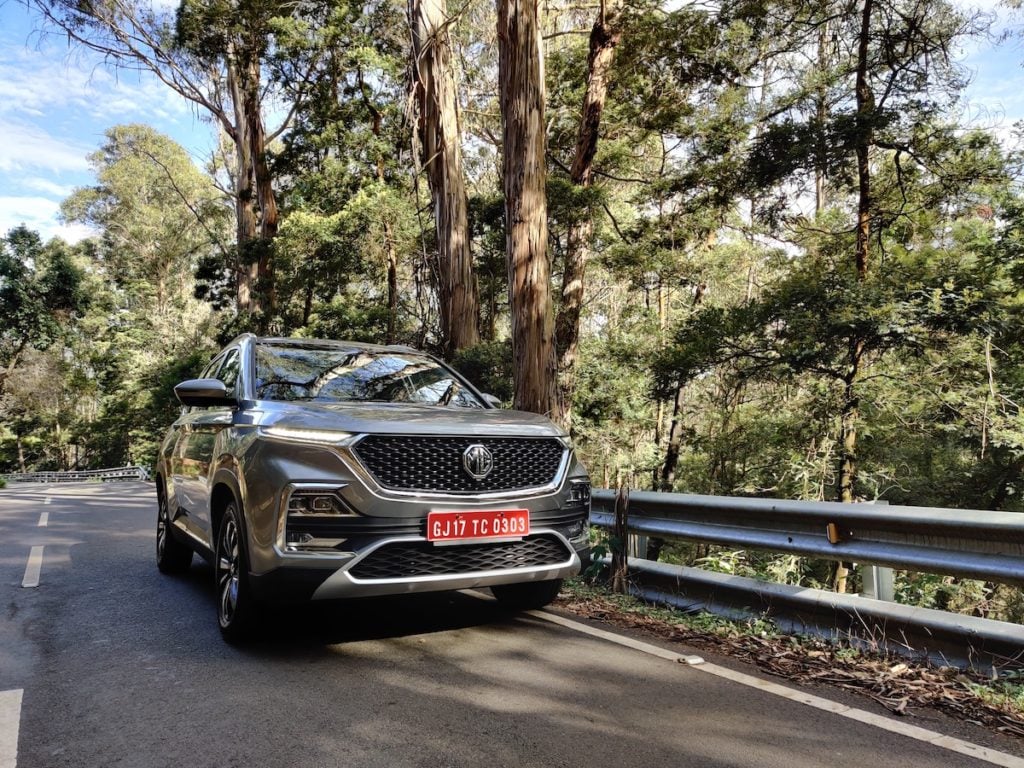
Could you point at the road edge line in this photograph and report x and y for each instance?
(10, 722)
(949, 743)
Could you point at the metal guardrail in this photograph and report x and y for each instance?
(80, 476)
(957, 542)
(966, 543)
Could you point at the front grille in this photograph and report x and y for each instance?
(404, 463)
(404, 560)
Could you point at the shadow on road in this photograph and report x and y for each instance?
(306, 627)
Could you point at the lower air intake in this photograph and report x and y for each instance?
(405, 560)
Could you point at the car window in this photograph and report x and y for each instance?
(228, 372)
(210, 371)
(339, 374)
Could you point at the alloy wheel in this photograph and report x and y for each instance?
(227, 571)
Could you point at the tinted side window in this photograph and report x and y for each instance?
(210, 371)
(229, 371)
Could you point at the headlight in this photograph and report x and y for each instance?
(579, 493)
(299, 435)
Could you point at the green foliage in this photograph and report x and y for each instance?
(40, 291)
(489, 367)
(722, 306)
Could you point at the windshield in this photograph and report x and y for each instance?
(340, 374)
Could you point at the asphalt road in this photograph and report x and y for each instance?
(121, 666)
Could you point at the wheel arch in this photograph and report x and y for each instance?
(225, 490)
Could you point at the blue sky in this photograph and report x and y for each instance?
(56, 102)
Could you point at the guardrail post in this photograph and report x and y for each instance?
(878, 582)
(620, 544)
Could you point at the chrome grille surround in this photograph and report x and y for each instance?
(422, 559)
(434, 464)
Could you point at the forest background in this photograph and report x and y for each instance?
(756, 248)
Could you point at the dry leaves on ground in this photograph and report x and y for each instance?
(898, 686)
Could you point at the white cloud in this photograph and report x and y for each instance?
(40, 214)
(33, 212)
(49, 187)
(39, 81)
(27, 147)
(71, 233)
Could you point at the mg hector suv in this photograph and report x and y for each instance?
(313, 470)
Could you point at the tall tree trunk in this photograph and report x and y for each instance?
(821, 110)
(245, 198)
(675, 442)
(391, 255)
(855, 356)
(12, 363)
(440, 143)
(865, 137)
(263, 181)
(604, 36)
(521, 79)
(675, 430)
(865, 110)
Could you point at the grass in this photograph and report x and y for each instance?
(1006, 692)
(703, 622)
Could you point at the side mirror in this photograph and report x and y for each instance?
(491, 400)
(204, 392)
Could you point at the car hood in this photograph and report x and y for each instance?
(407, 419)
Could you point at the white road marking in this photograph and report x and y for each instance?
(10, 721)
(934, 738)
(44, 519)
(628, 642)
(32, 570)
(47, 500)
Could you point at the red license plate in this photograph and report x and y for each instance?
(498, 524)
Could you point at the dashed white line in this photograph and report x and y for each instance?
(47, 500)
(10, 720)
(44, 519)
(34, 567)
(960, 746)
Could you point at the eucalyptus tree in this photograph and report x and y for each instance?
(524, 172)
(41, 294)
(351, 232)
(40, 290)
(232, 59)
(603, 40)
(439, 135)
(156, 215)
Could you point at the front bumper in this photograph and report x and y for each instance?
(297, 555)
(330, 577)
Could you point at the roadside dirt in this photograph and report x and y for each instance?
(898, 685)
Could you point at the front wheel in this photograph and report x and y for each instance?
(236, 607)
(171, 555)
(528, 594)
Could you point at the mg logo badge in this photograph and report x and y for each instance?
(477, 461)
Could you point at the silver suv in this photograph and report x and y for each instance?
(305, 469)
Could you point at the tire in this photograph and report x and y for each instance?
(527, 595)
(236, 606)
(171, 555)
